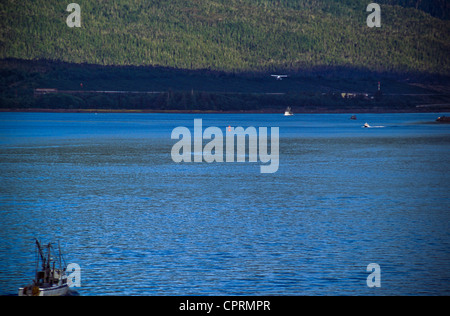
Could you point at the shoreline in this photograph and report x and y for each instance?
(268, 111)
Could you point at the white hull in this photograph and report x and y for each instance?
(48, 291)
(288, 114)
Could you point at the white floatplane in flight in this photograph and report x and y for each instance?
(279, 77)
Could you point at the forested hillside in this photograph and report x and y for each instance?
(232, 35)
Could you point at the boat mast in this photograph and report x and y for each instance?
(48, 255)
(59, 255)
(41, 254)
(49, 272)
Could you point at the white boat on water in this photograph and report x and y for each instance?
(49, 281)
(288, 111)
(366, 125)
(54, 290)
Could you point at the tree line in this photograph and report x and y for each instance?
(233, 36)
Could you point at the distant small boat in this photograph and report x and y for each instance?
(443, 118)
(288, 111)
(49, 281)
(366, 125)
(353, 117)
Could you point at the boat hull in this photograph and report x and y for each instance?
(60, 290)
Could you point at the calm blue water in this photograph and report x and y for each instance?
(137, 223)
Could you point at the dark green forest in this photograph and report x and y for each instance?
(217, 55)
(231, 35)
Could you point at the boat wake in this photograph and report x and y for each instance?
(373, 126)
(368, 126)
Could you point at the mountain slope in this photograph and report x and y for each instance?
(231, 35)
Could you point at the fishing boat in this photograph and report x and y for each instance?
(366, 125)
(288, 111)
(49, 280)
